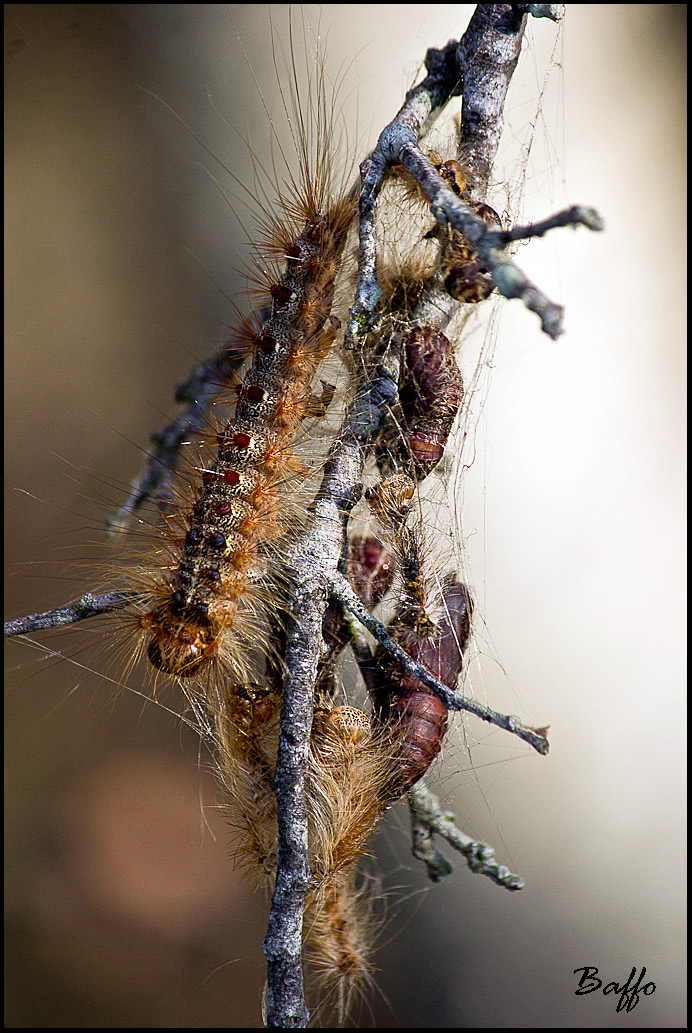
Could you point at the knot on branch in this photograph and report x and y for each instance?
(443, 67)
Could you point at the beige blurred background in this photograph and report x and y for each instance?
(122, 908)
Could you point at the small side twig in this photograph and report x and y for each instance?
(535, 737)
(88, 605)
(479, 67)
(198, 391)
(576, 215)
(427, 818)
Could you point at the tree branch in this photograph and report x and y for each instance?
(479, 68)
(311, 563)
(535, 737)
(88, 605)
(427, 818)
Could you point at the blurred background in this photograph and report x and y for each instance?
(122, 255)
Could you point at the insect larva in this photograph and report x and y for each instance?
(340, 930)
(237, 509)
(348, 769)
(247, 730)
(347, 762)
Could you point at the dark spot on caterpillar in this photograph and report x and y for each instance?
(193, 538)
(255, 394)
(239, 440)
(281, 293)
(266, 344)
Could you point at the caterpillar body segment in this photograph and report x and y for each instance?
(348, 768)
(247, 732)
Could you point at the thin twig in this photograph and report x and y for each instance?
(88, 605)
(576, 215)
(427, 818)
(439, 86)
(479, 68)
(536, 737)
(199, 390)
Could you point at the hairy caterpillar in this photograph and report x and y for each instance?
(237, 509)
(348, 767)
